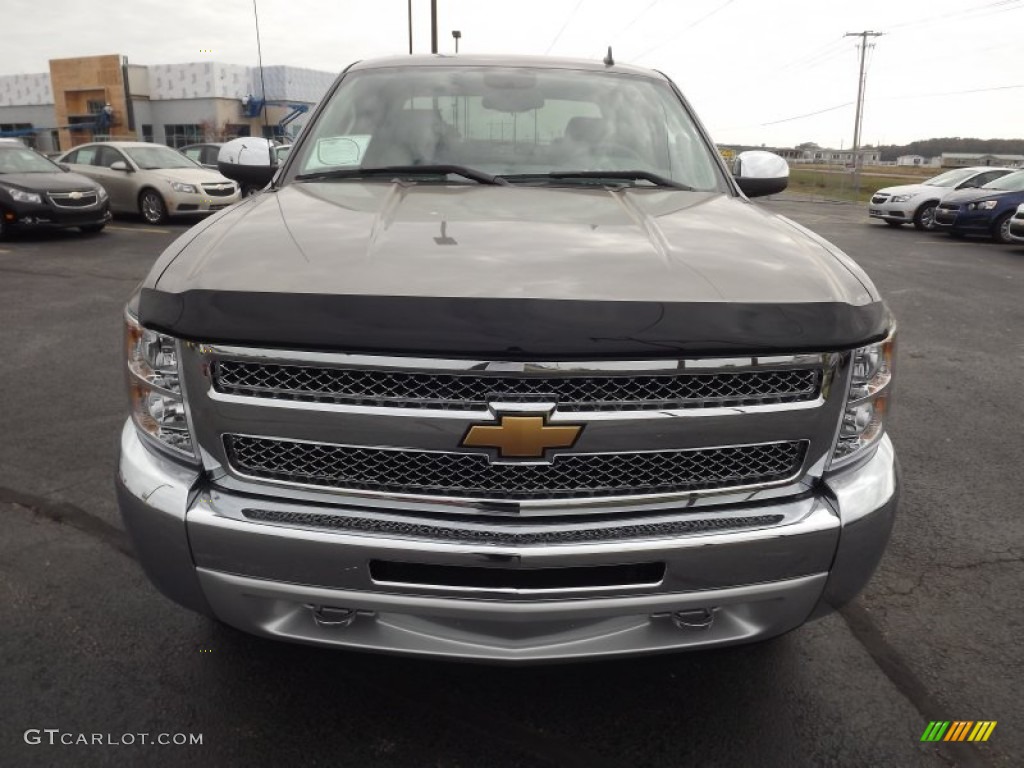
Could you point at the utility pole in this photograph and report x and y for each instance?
(410, 27)
(433, 26)
(860, 103)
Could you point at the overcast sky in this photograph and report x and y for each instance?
(754, 70)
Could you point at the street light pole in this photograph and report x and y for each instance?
(433, 26)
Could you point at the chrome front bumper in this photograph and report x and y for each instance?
(315, 586)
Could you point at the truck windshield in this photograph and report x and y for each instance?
(527, 125)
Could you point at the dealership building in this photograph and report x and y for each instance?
(173, 104)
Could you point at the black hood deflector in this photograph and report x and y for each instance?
(509, 329)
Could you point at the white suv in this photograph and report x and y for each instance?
(916, 202)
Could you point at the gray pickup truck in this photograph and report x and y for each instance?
(504, 365)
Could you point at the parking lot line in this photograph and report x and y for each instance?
(141, 229)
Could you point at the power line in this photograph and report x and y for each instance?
(637, 18)
(685, 29)
(809, 114)
(1001, 6)
(566, 24)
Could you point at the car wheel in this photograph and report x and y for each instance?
(924, 217)
(1001, 230)
(152, 207)
(892, 223)
(92, 229)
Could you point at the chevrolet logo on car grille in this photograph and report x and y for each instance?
(76, 195)
(521, 437)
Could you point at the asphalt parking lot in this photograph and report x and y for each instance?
(89, 647)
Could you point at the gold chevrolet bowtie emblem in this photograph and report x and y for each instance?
(521, 437)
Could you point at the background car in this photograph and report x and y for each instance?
(1016, 229)
(204, 154)
(916, 202)
(984, 211)
(152, 179)
(35, 192)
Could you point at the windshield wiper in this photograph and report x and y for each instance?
(404, 170)
(658, 181)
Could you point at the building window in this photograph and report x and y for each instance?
(147, 132)
(182, 134)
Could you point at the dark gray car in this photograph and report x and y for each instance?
(505, 365)
(36, 193)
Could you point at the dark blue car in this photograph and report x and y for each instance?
(986, 210)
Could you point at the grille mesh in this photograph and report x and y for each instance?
(64, 199)
(446, 390)
(472, 475)
(508, 536)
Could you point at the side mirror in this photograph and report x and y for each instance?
(120, 165)
(250, 161)
(760, 173)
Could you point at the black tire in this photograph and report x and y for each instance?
(92, 229)
(924, 216)
(152, 207)
(892, 223)
(1001, 229)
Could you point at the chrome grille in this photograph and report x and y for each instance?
(461, 391)
(72, 199)
(219, 190)
(473, 475)
(509, 535)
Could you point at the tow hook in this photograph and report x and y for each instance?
(325, 616)
(699, 619)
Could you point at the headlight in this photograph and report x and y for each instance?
(22, 196)
(154, 389)
(868, 401)
(984, 205)
(178, 186)
(899, 198)
(101, 193)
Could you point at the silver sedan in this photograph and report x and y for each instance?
(151, 179)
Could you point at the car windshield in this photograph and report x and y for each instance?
(22, 160)
(1012, 182)
(951, 178)
(152, 158)
(521, 124)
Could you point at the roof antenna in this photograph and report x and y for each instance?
(608, 60)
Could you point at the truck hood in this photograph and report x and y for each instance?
(547, 243)
(361, 248)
